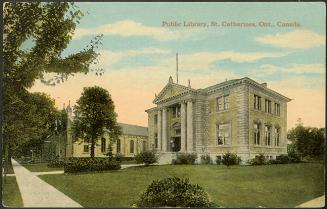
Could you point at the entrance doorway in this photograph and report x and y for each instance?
(175, 144)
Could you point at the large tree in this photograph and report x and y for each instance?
(307, 141)
(95, 116)
(34, 36)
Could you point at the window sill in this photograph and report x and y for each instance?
(223, 145)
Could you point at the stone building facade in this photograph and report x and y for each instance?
(133, 140)
(239, 116)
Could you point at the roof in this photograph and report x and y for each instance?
(133, 129)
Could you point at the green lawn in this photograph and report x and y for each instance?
(240, 186)
(11, 194)
(40, 167)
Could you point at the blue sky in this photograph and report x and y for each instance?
(138, 54)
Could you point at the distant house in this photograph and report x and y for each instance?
(133, 140)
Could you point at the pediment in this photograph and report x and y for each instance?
(171, 90)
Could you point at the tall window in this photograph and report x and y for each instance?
(156, 140)
(86, 148)
(267, 106)
(177, 132)
(131, 146)
(268, 135)
(103, 145)
(223, 103)
(223, 134)
(257, 102)
(277, 109)
(177, 111)
(277, 136)
(144, 145)
(256, 133)
(118, 148)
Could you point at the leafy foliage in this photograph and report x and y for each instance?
(147, 157)
(174, 192)
(307, 142)
(258, 160)
(56, 162)
(206, 159)
(185, 158)
(230, 159)
(95, 116)
(75, 165)
(218, 160)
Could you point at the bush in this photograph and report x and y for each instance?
(75, 165)
(206, 159)
(146, 157)
(56, 163)
(282, 159)
(258, 160)
(231, 159)
(218, 160)
(185, 158)
(174, 192)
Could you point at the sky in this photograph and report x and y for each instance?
(285, 49)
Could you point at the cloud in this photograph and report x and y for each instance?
(297, 39)
(294, 68)
(203, 60)
(107, 58)
(131, 28)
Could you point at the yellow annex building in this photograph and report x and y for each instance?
(132, 141)
(239, 116)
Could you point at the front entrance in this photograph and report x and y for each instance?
(175, 144)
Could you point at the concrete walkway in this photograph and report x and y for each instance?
(37, 193)
(315, 203)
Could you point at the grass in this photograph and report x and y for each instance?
(40, 167)
(10, 194)
(241, 186)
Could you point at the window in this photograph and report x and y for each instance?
(118, 148)
(144, 145)
(256, 133)
(223, 133)
(155, 140)
(131, 146)
(277, 109)
(155, 118)
(223, 103)
(267, 106)
(268, 135)
(86, 148)
(277, 136)
(103, 145)
(177, 111)
(257, 102)
(177, 132)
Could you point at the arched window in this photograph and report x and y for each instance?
(131, 146)
(103, 145)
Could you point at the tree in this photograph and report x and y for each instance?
(34, 37)
(95, 116)
(307, 141)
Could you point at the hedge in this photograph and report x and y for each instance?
(75, 165)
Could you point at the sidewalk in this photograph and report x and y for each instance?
(37, 193)
(315, 203)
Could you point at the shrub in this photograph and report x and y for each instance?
(146, 157)
(75, 165)
(185, 158)
(230, 159)
(218, 160)
(258, 160)
(282, 159)
(174, 192)
(206, 159)
(56, 163)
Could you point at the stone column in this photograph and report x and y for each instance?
(159, 129)
(189, 124)
(183, 127)
(164, 129)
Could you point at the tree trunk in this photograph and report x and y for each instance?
(92, 148)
